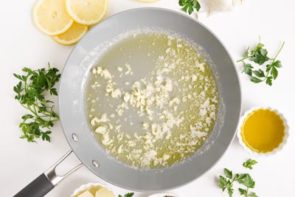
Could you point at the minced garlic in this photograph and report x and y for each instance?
(161, 118)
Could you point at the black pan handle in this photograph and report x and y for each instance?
(46, 181)
(37, 188)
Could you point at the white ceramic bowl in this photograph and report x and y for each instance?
(275, 150)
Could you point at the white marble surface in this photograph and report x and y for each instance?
(21, 44)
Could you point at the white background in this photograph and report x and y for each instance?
(21, 44)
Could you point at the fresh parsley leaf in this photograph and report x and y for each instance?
(255, 80)
(249, 163)
(268, 67)
(222, 182)
(248, 69)
(31, 92)
(127, 195)
(226, 183)
(230, 191)
(277, 64)
(274, 72)
(252, 194)
(246, 180)
(259, 66)
(259, 73)
(189, 6)
(228, 173)
(258, 54)
(269, 81)
(242, 191)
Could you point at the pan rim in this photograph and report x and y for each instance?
(78, 47)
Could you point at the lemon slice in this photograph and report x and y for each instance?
(50, 16)
(72, 35)
(87, 12)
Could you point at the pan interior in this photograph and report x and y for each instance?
(151, 99)
(75, 122)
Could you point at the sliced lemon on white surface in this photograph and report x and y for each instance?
(72, 35)
(87, 12)
(50, 16)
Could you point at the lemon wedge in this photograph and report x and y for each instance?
(87, 12)
(50, 16)
(72, 35)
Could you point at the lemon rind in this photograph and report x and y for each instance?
(83, 22)
(68, 43)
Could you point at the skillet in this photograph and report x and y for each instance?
(75, 124)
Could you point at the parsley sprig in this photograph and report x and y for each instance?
(249, 163)
(245, 181)
(189, 6)
(259, 66)
(31, 91)
(127, 195)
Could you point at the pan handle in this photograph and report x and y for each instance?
(46, 181)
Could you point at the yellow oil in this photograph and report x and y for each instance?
(147, 53)
(263, 131)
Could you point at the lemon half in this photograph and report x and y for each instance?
(87, 12)
(72, 35)
(50, 16)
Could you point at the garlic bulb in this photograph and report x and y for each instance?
(211, 6)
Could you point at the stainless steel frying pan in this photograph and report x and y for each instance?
(83, 142)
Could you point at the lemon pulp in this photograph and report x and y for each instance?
(72, 35)
(50, 17)
(263, 130)
(86, 12)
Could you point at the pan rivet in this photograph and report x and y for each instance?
(75, 137)
(95, 163)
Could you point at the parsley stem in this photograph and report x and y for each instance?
(247, 191)
(279, 51)
(244, 58)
